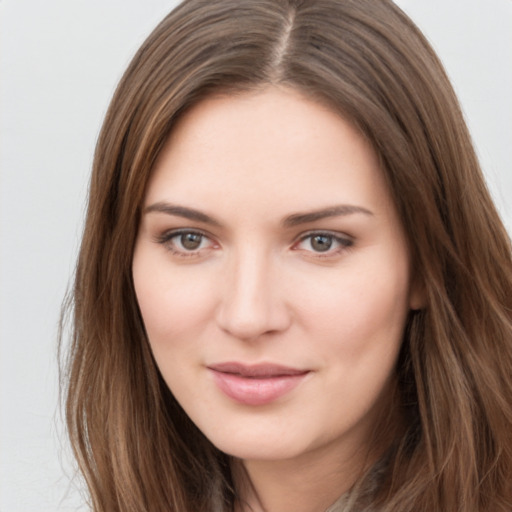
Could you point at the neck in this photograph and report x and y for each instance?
(310, 483)
(314, 480)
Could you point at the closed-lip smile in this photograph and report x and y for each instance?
(256, 384)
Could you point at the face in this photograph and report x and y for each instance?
(273, 276)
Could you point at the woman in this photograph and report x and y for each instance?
(293, 291)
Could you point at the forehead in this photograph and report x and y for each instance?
(274, 142)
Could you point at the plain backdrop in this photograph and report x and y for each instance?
(59, 63)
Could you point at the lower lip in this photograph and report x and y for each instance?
(256, 391)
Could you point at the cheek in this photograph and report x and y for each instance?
(357, 310)
(357, 326)
(174, 304)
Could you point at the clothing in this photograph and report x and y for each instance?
(363, 491)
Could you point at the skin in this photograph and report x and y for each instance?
(259, 288)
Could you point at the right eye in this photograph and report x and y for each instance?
(185, 243)
(189, 241)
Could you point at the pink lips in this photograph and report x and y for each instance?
(255, 384)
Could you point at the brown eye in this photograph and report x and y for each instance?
(191, 241)
(324, 243)
(185, 242)
(321, 243)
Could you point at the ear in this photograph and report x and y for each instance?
(417, 294)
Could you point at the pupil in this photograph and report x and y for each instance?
(321, 243)
(191, 241)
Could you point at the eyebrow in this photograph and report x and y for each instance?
(182, 211)
(289, 221)
(332, 211)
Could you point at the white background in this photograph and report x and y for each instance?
(59, 63)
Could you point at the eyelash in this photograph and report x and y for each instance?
(166, 239)
(344, 243)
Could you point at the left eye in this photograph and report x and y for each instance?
(323, 243)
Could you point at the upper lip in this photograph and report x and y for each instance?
(261, 370)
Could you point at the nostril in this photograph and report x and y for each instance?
(249, 320)
(251, 304)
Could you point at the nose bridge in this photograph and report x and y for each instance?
(251, 302)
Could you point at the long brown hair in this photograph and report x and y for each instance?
(365, 59)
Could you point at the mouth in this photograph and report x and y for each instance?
(256, 384)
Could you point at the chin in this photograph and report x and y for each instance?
(247, 445)
(256, 450)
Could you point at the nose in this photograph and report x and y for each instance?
(252, 302)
